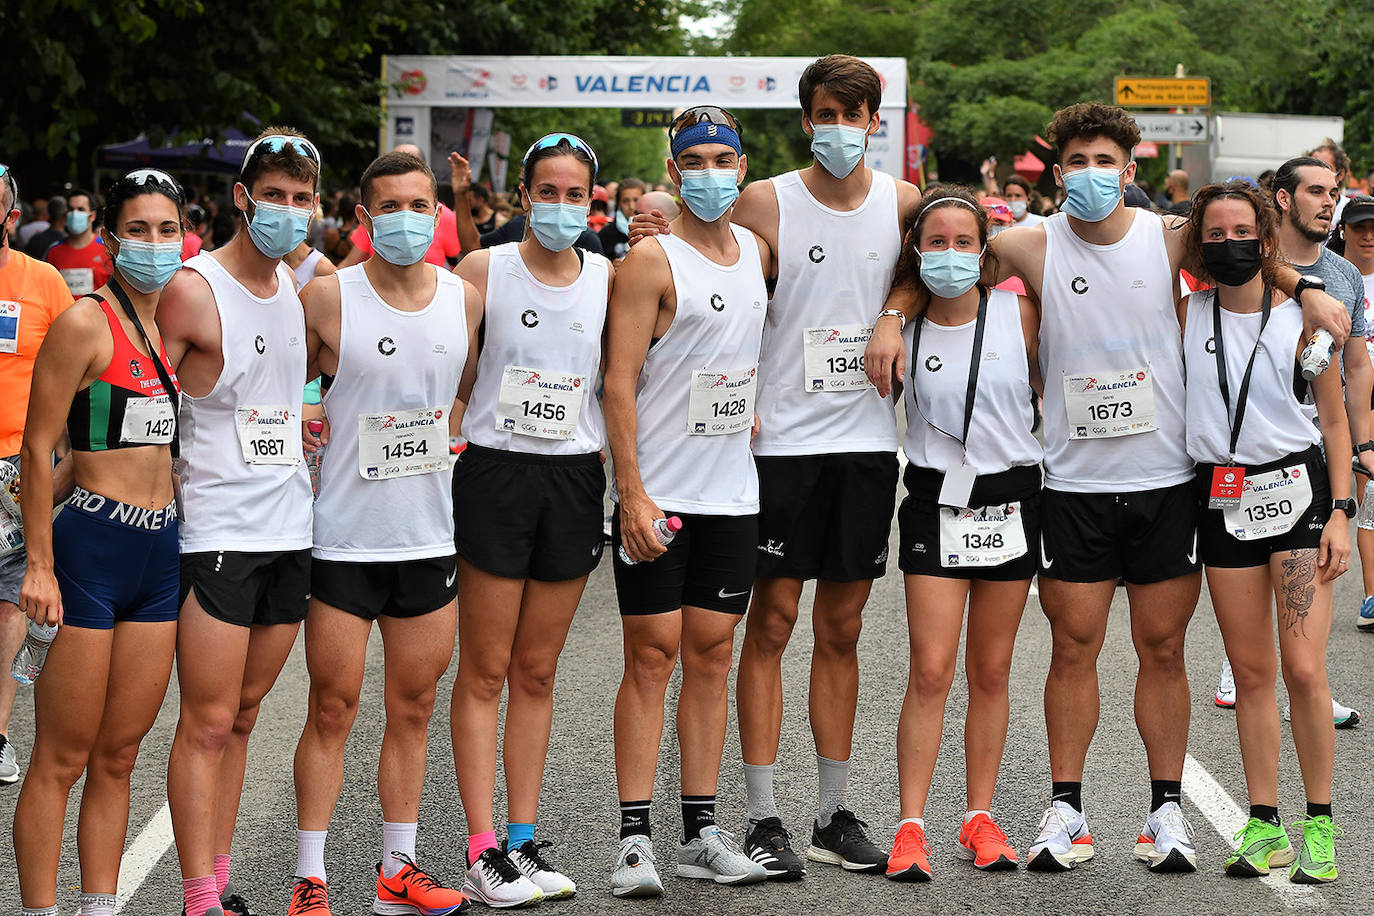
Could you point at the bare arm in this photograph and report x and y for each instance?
(1359, 385)
(321, 301)
(460, 180)
(1335, 541)
(1030, 330)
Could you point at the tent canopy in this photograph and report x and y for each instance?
(198, 156)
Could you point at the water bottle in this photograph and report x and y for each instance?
(665, 529)
(1316, 356)
(28, 661)
(312, 461)
(1365, 519)
(11, 521)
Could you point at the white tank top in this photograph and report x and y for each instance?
(999, 436)
(1108, 310)
(1276, 423)
(227, 502)
(391, 363)
(717, 327)
(305, 270)
(553, 332)
(834, 272)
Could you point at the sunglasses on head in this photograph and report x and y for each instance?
(569, 140)
(154, 177)
(709, 114)
(275, 143)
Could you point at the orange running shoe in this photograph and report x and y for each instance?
(411, 891)
(308, 898)
(983, 843)
(910, 856)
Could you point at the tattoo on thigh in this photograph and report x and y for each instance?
(1299, 588)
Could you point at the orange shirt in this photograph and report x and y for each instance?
(32, 295)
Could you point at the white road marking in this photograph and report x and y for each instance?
(143, 855)
(1227, 818)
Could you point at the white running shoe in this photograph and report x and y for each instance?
(713, 854)
(9, 766)
(635, 874)
(1063, 842)
(494, 880)
(1166, 841)
(1225, 696)
(534, 866)
(1344, 716)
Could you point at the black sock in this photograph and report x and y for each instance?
(1163, 791)
(697, 811)
(634, 818)
(1316, 810)
(1070, 792)
(1266, 813)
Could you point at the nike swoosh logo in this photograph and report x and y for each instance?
(1192, 557)
(1045, 561)
(724, 594)
(448, 583)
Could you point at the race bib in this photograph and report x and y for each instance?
(402, 444)
(9, 326)
(1270, 504)
(987, 536)
(148, 421)
(537, 403)
(11, 519)
(1103, 405)
(834, 357)
(267, 435)
(721, 403)
(80, 280)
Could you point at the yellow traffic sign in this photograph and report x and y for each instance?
(1163, 92)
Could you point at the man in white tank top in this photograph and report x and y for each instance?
(398, 336)
(233, 328)
(1117, 504)
(684, 327)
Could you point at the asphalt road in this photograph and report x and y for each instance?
(579, 805)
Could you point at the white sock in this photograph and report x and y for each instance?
(918, 821)
(97, 904)
(397, 838)
(45, 911)
(310, 854)
(974, 812)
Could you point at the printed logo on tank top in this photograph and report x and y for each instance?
(718, 302)
(933, 363)
(1211, 345)
(260, 345)
(135, 368)
(386, 346)
(816, 254)
(529, 318)
(1079, 285)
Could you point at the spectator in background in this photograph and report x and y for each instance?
(326, 218)
(337, 244)
(1176, 191)
(599, 213)
(1000, 218)
(479, 201)
(1020, 198)
(81, 259)
(1136, 196)
(37, 222)
(615, 235)
(658, 200)
(192, 241)
(505, 211)
(1330, 152)
(38, 245)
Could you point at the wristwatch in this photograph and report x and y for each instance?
(1364, 447)
(895, 313)
(1345, 505)
(1305, 282)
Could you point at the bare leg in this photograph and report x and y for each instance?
(836, 618)
(993, 617)
(13, 625)
(1304, 613)
(1241, 599)
(1077, 612)
(1159, 620)
(704, 703)
(758, 693)
(651, 649)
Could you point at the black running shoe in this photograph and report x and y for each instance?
(233, 902)
(844, 842)
(770, 845)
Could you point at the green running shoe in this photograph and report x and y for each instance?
(1262, 846)
(1316, 862)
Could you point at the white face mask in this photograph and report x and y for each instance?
(1018, 209)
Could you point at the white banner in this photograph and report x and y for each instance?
(613, 82)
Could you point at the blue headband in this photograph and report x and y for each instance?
(705, 132)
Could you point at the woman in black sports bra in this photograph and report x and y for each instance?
(105, 570)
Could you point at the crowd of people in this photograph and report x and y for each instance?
(738, 353)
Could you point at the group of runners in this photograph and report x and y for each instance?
(752, 350)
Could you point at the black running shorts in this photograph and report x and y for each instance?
(709, 564)
(249, 589)
(1219, 546)
(825, 516)
(404, 588)
(918, 519)
(1141, 536)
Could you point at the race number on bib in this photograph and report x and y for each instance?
(538, 403)
(721, 402)
(267, 435)
(9, 326)
(402, 444)
(987, 536)
(1102, 405)
(834, 357)
(1270, 504)
(148, 421)
(80, 280)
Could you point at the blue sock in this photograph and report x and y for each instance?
(518, 834)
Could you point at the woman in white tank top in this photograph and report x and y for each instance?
(970, 520)
(527, 501)
(1270, 527)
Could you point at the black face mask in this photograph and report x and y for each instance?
(1232, 262)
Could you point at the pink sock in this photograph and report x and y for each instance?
(479, 843)
(221, 872)
(200, 895)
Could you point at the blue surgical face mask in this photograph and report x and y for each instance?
(839, 148)
(557, 226)
(1092, 193)
(277, 229)
(402, 237)
(950, 273)
(708, 193)
(622, 223)
(148, 266)
(78, 221)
